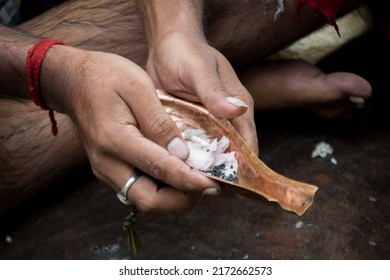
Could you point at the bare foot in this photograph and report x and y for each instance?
(297, 84)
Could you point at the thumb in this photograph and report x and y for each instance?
(216, 98)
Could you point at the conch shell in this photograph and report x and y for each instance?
(254, 177)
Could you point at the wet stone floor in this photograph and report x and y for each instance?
(80, 218)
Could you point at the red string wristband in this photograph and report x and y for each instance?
(34, 61)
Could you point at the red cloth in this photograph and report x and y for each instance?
(328, 7)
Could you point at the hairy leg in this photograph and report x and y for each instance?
(244, 31)
(101, 25)
(31, 158)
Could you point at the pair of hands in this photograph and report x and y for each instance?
(123, 125)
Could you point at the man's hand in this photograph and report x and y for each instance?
(193, 70)
(181, 62)
(122, 124)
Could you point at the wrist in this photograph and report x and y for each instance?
(56, 77)
(34, 60)
(162, 18)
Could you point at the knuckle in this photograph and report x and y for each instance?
(179, 176)
(103, 144)
(97, 168)
(160, 126)
(100, 140)
(217, 91)
(97, 156)
(184, 180)
(147, 206)
(172, 173)
(248, 99)
(157, 169)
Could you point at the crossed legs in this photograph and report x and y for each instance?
(31, 158)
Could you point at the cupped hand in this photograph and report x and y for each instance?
(122, 124)
(190, 68)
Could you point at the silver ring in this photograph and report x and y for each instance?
(122, 195)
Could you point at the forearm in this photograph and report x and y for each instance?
(14, 49)
(13, 52)
(163, 17)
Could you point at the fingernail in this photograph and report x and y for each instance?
(178, 148)
(211, 191)
(236, 102)
(359, 101)
(356, 99)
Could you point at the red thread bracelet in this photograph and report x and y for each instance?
(34, 61)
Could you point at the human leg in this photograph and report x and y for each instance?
(282, 84)
(30, 157)
(240, 29)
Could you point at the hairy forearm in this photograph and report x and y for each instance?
(162, 17)
(14, 46)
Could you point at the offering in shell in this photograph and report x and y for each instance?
(253, 178)
(210, 156)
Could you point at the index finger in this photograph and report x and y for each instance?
(153, 120)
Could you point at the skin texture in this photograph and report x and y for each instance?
(98, 110)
